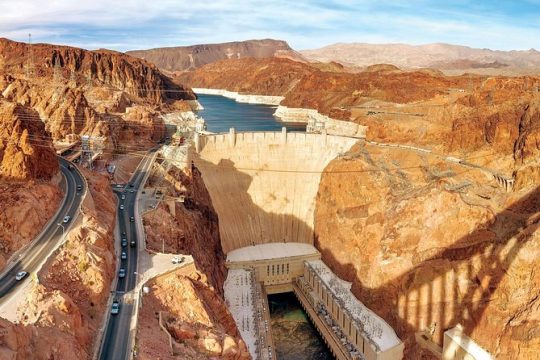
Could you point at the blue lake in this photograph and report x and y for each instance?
(222, 113)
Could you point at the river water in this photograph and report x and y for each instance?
(221, 113)
(295, 337)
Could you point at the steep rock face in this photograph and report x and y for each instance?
(193, 230)
(182, 58)
(136, 77)
(194, 315)
(26, 150)
(428, 244)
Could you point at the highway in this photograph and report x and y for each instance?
(31, 258)
(116, 337)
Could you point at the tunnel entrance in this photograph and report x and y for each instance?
(295, 337)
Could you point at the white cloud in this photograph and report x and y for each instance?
(133, 24)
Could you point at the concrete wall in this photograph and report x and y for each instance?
(263, 185)
(317, 122)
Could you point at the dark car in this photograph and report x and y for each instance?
(123, 233)
(132, 243)
(122, 273)
(124, 242)
(70, 167)
(115, 308)
(79, 187)
(131, 185)
(132, 219)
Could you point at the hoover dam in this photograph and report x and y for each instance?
(263, 184)
(263, 187)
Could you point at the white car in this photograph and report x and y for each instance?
(115, 309)
(122, 207)
(66, 219)
(177, 260)
(20, 275)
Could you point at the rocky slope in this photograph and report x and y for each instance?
(193, 229)
(439, 56)
(29, 175)
(64, 307)
(181, 58)
(82, 92)
(194, 315)
(428, 244)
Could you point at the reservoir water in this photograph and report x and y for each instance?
(221, 113)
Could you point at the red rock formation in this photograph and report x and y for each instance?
(430, 244)
(193, 230)
(134, 76)
(26, 150)
(195, 316)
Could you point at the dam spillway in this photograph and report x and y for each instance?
(263, 184)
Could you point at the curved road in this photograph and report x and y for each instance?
(31, 258)
(116, 337)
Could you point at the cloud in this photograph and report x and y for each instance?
(131, 24)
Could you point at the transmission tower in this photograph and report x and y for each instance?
(30, 59)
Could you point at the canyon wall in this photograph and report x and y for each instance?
(429, 244)
(79, 92)
(263, 185)
(181, 58)
(29, 178)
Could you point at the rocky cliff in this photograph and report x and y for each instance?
(192, 228)
(82, 92)
(181, 58)
(26, 150)
(29, 173)
(195, 317)
(428, 244)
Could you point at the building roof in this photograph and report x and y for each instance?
(270, 251)
(373, 326)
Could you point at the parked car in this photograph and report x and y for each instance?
(20, 275)
(124, 242)
(66, 219)
(118, 185)
(177, 260)
(115, 308)
(122, 273)
(123, 256)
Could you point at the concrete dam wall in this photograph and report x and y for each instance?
(263, 184)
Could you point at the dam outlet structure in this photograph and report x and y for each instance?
(263, 186)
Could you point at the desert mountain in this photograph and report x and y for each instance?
(182, 58)
(439, 56)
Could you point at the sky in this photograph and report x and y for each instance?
(135, 24)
